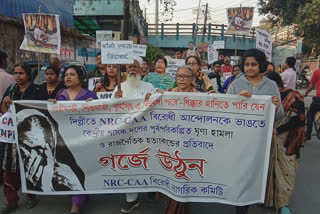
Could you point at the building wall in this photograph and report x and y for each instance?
(313, 64)
(11, 37)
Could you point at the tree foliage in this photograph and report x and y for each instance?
(166, 9)
(267, 24)
(308, 24)
(303, 14)
(153, 52)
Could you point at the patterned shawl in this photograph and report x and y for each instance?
(292, 101)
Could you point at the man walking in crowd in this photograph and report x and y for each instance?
(177, 54)
(315, 105)
(100, 70)
(227, 67)
(133, 87)
(191, 51)
(289, 76)
(221, 58)
(145, 67)
(55, 62)
(5, 81)
(216, 76)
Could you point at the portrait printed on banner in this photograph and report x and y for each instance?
(48, 163)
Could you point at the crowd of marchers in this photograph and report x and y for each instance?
(254, 75)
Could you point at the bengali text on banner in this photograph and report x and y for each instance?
(191, 147)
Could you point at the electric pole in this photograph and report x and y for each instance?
(195, 39)
(236, 45)
(205, 22)
(156, 17)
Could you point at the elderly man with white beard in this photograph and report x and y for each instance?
(133, 87)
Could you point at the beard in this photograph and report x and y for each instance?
(131, 89)
(133, 81)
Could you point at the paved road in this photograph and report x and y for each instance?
(305, 200)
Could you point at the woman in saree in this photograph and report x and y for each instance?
(185, 78)
(289, 137)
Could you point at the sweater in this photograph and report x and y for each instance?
(265, 87)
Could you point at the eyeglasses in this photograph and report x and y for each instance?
(192, 63)
(183, 77)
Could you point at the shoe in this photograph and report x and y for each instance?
(285, 210)
(31, 203)
(8, 208)
(130, 206)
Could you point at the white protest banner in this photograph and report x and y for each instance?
(193, 147)
(173, 65)
(264, 42)
(218, 44)
(139, 50)
(42, 33)
(104, 95)
(103, 35)
(92, 83)
(240, 20)
(117, 52)
(7, 133)
(213, 54)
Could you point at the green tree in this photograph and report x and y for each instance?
(153, 52)
(267, 24)
(308, 24)
(303, 14)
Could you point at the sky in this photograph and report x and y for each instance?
(217, 8)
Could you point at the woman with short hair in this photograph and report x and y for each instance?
(185, 79)
(201, 81)
(253, 64)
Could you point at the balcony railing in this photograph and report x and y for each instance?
(190, 29)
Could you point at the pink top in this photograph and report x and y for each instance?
(289, 78)
(316, 81)
(5, 81)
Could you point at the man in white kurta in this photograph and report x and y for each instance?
(133, 87)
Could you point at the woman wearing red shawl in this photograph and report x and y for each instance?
(290, 136)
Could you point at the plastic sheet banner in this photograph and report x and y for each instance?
(240, 20)
(7, 133)
(42, 33)
(264, 42)
(173, 65)
(192, 147)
